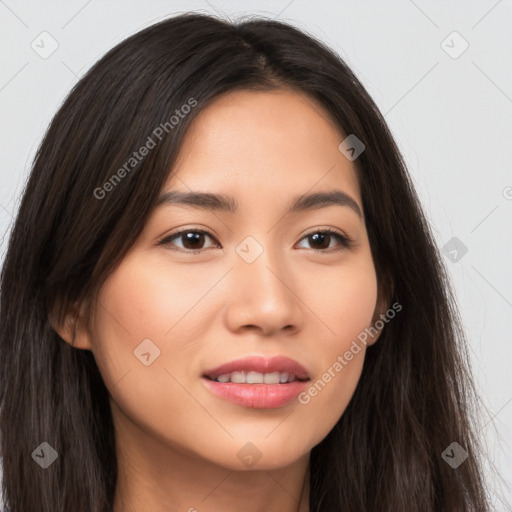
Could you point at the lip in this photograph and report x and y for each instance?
(260, 364)
(258, 396)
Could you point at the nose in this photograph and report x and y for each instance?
(262, 296)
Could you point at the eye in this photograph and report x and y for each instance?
(321, 240)
(192, 240)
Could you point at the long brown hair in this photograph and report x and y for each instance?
(415, 396)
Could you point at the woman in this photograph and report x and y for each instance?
(221, 293)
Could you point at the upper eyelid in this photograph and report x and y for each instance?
(320, 229)
(208, 232)
(188, 230)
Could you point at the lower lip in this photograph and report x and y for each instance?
(258, 396)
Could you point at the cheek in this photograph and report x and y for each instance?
(346, 306)
(142, 308)
(343, 299)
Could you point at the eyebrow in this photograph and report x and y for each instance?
(224, 203)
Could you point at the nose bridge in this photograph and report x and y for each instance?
(263, 291)
(258, 263)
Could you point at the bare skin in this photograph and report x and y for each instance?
(178, 444)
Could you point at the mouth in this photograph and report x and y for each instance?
(258, 382)
(253, 377)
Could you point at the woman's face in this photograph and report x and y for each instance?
(168, 317)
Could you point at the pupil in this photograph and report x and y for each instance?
(193, 238)
(322, 238)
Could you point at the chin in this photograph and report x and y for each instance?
(259, 454)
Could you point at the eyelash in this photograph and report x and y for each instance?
(344, 240)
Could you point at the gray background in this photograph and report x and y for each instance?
(450, 111)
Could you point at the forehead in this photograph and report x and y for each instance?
(251, 142)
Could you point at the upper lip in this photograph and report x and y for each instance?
(260, 364)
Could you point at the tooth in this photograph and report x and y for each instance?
(283, 377)
(254, 378)
(238, 377)
(271, 378)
